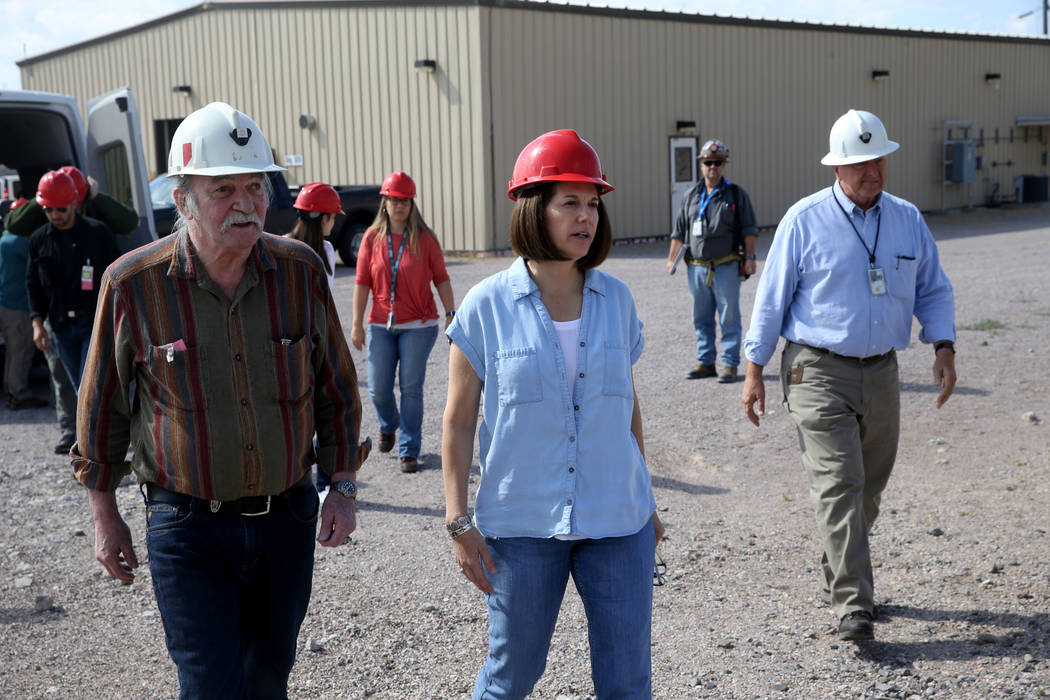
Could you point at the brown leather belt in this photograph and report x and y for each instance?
(859, 360)
(248, 506)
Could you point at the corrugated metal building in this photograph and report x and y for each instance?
(643, 87)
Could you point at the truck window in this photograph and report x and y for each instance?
(118, 179)
(34, 141)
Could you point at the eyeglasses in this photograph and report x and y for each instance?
(659, 569)
(57, 210)
(713, 163)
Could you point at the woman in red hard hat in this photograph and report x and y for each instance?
(316, 208)
(546, 348)
(398, 260)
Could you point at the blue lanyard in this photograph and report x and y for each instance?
(706, 198)
(878, 227)
(395, 264)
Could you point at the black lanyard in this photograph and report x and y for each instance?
(878, 227)
(395, 264)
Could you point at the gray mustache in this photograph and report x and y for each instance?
(240, 218)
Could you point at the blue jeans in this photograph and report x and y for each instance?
(722, 296)
(72, 344)
(385, 350)
(232, 592)
(614, 577)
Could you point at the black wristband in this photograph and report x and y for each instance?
(944, 344)
(450, 314)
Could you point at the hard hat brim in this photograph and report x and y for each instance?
(226, 170)
(54, 203)
(833, 159)
(515, 187)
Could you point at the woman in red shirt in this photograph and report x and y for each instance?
(398, 260)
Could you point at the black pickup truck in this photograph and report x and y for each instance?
(360, 204)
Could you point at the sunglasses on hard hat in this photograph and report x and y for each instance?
(57, 210)
(713, 163)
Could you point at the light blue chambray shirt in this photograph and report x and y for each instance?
(815, 289)
(551, 463)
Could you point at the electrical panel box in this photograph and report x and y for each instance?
(960, 161)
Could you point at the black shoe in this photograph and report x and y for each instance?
(856, 627)
(63, 447)
(386, 442)
(16, 404)
(702, 372)
(409, 465)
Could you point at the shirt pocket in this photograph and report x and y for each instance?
(518, 376)
(617, 376)
(177, 378)
(900, 278)
(291, 362)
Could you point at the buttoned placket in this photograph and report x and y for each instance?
(864, 221)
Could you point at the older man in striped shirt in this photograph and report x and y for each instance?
(217, 354)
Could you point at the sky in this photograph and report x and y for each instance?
(40, 26)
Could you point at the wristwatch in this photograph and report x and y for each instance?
(450, 314)
(346, 488)
(944, 344)
(750, 257)
(458, 526)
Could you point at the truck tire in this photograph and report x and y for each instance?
(350, 242)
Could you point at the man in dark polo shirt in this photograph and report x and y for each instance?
(232, 340)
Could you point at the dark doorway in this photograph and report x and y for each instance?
(163, 130)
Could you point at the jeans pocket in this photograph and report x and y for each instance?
(165, 516)
(305, 505)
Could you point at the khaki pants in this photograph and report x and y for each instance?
(17, 332)
(848, 417)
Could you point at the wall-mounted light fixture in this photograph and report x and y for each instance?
(878, 75)
(307, 121)
(426, 65)
(185, 89)
(992, 79)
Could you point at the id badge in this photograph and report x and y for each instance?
(878, 282)
(87, 278)
(698, 229)
(390, 321)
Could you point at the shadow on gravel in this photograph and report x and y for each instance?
(923, 388)
(29, 615)
(403, 510)
(662, 482)
(1020, 635)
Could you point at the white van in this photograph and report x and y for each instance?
(40, 131)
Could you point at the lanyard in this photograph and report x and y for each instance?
(878, 227)
(395, 264)
(706, 198)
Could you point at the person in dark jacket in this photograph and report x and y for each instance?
(67, 257)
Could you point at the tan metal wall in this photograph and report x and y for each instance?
(510, 71)
(350, 67)
(772, 93)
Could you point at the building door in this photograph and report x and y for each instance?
(163, 130)
(683, 171)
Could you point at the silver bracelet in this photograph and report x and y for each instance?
(458, 526)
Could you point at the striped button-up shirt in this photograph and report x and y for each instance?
(219, 398)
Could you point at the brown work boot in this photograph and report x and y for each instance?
(728, 375)
(856, 627)
(386, 441)
(409, 465)
(702, 372)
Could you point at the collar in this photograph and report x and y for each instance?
(849, 205)
(522, 284)
(184, 257)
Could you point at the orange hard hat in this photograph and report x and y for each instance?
(398, 184)
(79, 181)
(56, 190)
(557, 156)
(319, 197)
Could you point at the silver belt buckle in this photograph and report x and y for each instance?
(215, 505)
(262, 512)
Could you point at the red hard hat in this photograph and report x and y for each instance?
(17, 203)
(79, 181)
(56, 190)
(557, 156)
(319, 197)
(398, 184)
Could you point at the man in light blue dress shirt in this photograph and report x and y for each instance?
(848, 268)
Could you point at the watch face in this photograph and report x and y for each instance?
(347, 488)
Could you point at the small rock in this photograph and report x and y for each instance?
(986, 638)
(1031, 417)
(79, 533)
(780, 687)
(725, 644)
(43, 602)
(1028, 658)
(710, 685)
(997, 568)
(23, 582)
(430, 607)
(942, 461)
(1024, 596)
(885, 687)
(314, 645)
(938, 441)
(936, 532)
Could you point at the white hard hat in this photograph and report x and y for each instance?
(857, 136)
(219, 140)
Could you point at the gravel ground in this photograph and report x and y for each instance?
(961, 549)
